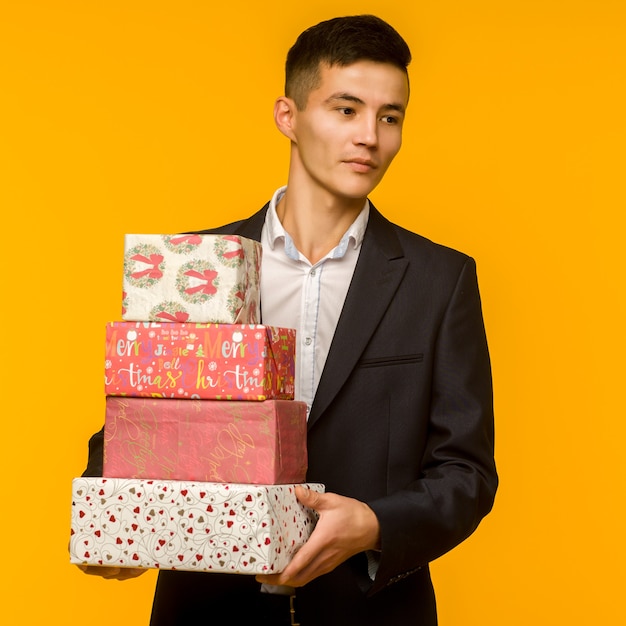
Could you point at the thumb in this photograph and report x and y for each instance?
(308, 497)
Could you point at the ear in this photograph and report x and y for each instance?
(284, 116)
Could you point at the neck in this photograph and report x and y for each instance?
(315, 229)
(316, 221)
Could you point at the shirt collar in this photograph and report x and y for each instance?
(275, 230)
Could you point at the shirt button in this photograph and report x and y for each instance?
(308, 341)
(312, 272)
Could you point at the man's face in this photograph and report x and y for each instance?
(350, 130)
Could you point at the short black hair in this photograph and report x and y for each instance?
(341, 41)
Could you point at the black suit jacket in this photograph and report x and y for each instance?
(402, 419)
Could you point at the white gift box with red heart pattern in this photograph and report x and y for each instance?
(194, 526)
(191, 278)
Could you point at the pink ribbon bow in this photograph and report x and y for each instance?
(207, 287)
(179, 316)
(234, 253)
(153, 272)
(192, 239)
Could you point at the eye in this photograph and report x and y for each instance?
(346, 111)
(390, 119)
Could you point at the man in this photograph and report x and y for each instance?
(391, 359)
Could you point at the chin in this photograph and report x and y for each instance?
(357, 192)
(354, 190)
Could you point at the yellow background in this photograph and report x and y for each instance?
(136, 116)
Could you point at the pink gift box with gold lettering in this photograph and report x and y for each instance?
(195, 526)
(191, 278)
(206, 440)
(200, 361)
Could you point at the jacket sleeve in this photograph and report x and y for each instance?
(458, 480)
(96, 450)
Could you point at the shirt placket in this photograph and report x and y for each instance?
(308, 335)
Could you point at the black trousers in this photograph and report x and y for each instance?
(336, 599)
(188, 604)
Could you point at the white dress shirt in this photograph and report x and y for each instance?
(309, 298)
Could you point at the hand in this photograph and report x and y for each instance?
(345, 527)
(112, 573)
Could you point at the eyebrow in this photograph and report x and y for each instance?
(346, 97)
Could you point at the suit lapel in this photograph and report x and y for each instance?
(377, 275)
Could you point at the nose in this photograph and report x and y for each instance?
(367, 132)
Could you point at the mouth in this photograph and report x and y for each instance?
(361, 165)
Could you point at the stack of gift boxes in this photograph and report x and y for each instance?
(203, 441)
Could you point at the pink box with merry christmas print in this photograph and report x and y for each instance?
(191, 278)
(210, 527)
(206, 440)
(200, 361)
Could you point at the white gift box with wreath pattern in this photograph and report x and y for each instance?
(191, 278)
(193, 526)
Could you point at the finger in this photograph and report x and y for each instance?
(111, 573)
(309, 497)
(311, 560)
(318, 564)
(297, 577)
(95, 570)
(126, 573)
(298, 562)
